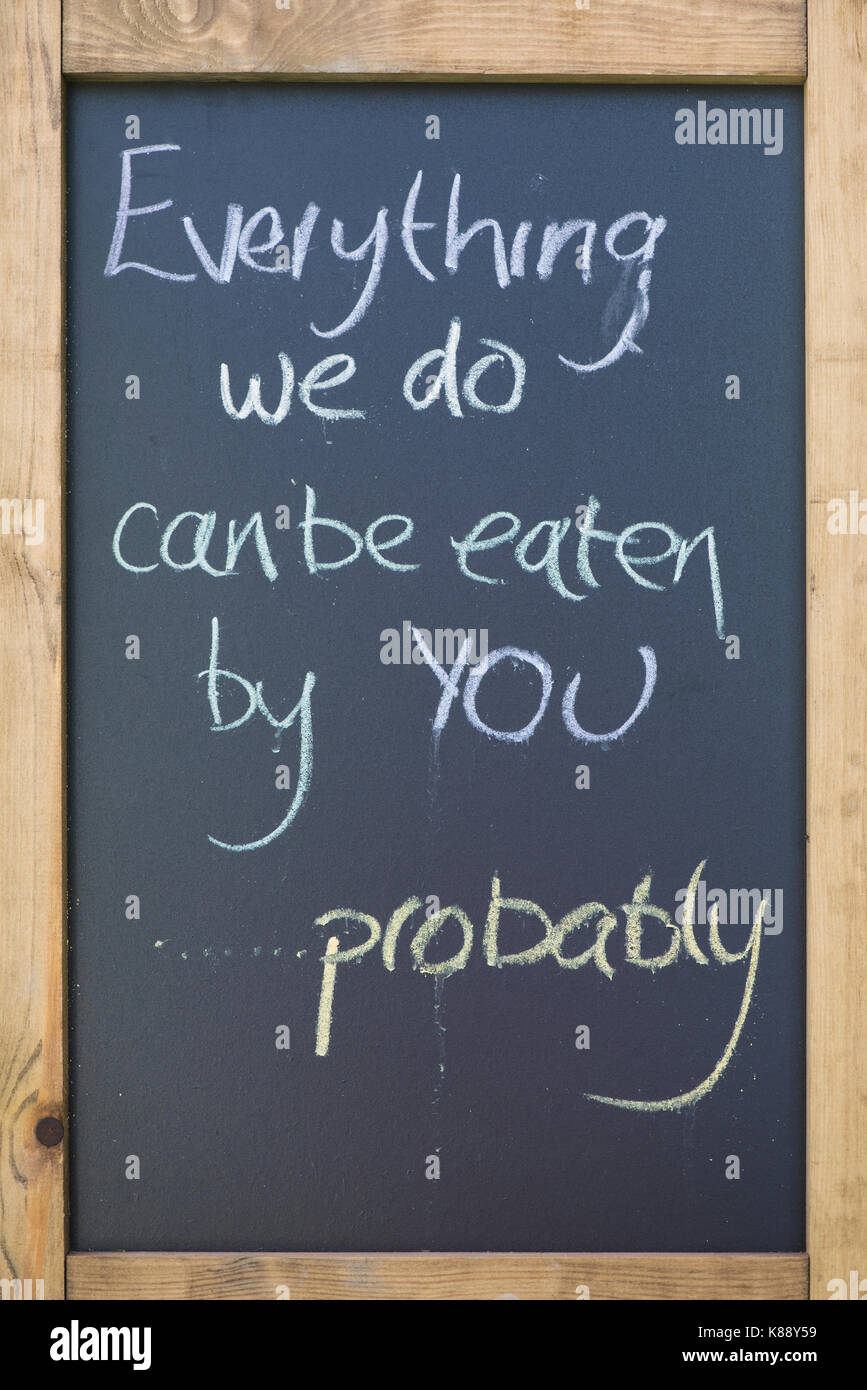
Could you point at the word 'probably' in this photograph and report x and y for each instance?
(591, 922)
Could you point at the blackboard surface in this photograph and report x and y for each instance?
(230, 1090)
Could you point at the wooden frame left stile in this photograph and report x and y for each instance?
(32, 932)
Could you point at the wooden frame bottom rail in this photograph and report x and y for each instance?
(431, 1276)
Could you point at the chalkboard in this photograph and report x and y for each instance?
(435, 667)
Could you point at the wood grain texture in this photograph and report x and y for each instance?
(362, 1277)
(662, 40)
(836, 193)
(31, 747)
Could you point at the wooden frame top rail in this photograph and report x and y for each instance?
(530, 40)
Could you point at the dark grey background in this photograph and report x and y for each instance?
(173, 1059)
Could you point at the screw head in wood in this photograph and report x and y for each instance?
(49, 1131)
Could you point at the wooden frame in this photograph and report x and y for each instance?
(633, 40)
